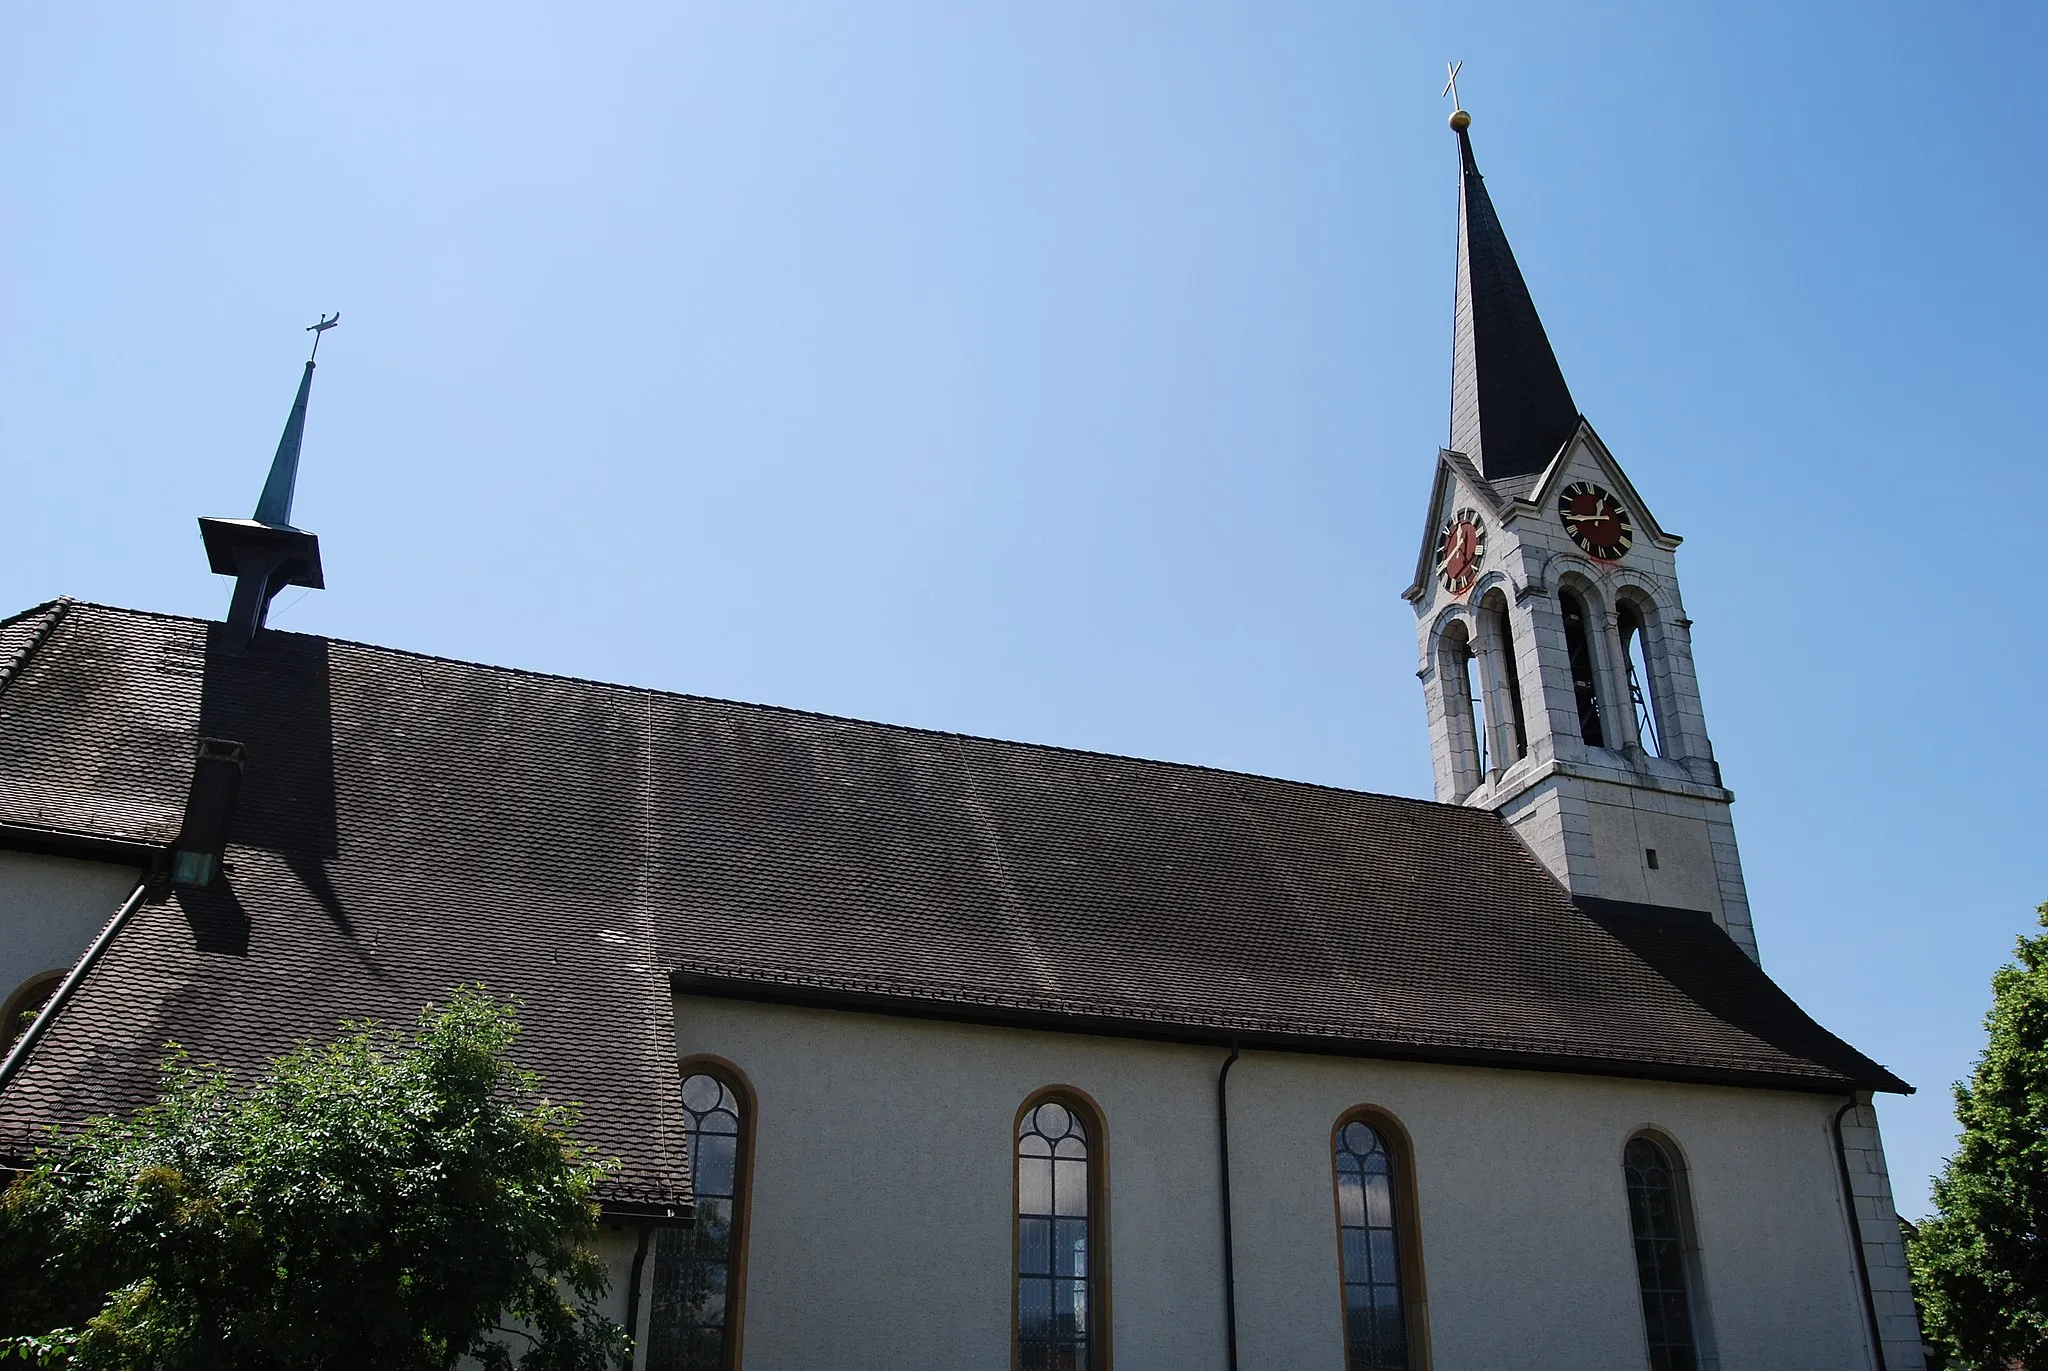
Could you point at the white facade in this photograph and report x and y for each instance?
(50, 910)
(881, 1203)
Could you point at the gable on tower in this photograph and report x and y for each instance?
(1459, 484)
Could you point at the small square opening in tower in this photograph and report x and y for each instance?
(1650, 858)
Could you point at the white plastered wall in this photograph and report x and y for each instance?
(50, 909)
(882, 1190)
(614, 1245)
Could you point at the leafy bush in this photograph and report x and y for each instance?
(368, 1202)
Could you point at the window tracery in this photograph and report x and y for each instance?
(699, 1271)
(1060, 1268)
(1376, 1247)
(1660, 1220)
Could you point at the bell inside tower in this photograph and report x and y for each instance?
(1578, 646)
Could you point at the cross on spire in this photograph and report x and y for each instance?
(265, 553)
(1450, 87)
(316, 330)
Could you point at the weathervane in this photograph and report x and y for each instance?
(1459, 119)
(317, 329)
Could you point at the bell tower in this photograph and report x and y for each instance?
(1555, 651)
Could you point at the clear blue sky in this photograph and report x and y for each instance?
(1073, 372)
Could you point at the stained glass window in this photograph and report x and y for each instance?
(1057, 1298)
(1657, 1216)
(1375, 1323)
(692, 1324)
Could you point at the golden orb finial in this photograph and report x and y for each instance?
(1460, 120)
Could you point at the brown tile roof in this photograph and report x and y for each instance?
(408, 822)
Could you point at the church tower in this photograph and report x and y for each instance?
(1556, 655)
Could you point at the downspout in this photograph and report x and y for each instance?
(633, 1291)
(1856, 1235)
(48, 1014)
(1223, 1164)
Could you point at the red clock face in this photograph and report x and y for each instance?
(1596, 521)
(1458, 550)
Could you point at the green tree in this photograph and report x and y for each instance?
(372, 1202)
(1980, 1266)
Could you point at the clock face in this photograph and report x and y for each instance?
(1458, 550)
(1596, 521)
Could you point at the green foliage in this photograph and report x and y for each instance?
(370, 1202)
(1980, 1267)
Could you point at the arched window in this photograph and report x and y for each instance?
(1378, 1247)
(700, 1271)
(1635, 653)
(1667, 1259)
(24, 1004)
(1578, 647)
(1062, 1286)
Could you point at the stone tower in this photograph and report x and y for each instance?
(1556, 655)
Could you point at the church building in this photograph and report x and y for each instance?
(927, 1052)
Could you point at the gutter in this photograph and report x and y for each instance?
(1223, 1164)
(1856, 1235)
(1012, 1014)
(64, 842)
(48, 1015)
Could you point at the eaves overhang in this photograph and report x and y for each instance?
(1011, 1014)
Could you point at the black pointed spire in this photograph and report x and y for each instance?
(274, 506)
(265, 554)
(1510, 408)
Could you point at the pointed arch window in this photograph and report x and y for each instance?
(1636, 657)
(1062, 1290)
(1667, 1258)
(700, 1271)
(1379, 1249)
(1578, 647)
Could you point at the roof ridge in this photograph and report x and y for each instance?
(54, 612)
(953, 734)
(53, 602)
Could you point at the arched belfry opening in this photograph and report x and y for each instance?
(1463, 697)
(1585, 667)
(1639, 675)
(1503, 679)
